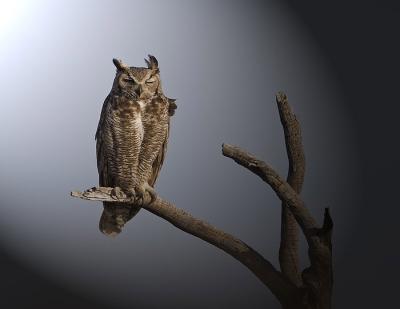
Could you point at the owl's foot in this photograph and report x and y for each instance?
(141, 191)
(117, 193)
(131, 194)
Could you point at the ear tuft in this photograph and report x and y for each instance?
(152, 63)
(119, 64)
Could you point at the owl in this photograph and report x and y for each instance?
(131, 138)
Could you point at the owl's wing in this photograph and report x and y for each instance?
(104, 180)
(102, 116)
(158, 162)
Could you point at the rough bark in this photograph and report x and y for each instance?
(289, 246)
(314, 289)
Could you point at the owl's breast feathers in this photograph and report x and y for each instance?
(119, 137)
(126, 108)
(157, 108)
(128, 129)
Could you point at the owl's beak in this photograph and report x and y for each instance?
(138, 91)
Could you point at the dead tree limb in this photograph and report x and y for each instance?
(310, 291)
(284, 191)
(289, 246)
(279, 285)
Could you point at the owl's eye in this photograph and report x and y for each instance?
(150, 81)
(129, 80)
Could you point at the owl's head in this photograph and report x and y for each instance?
(139, 82)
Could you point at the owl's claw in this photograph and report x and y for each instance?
(141, 191)
(131, 194)
(117, 193)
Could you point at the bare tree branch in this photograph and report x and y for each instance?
(314, 289)
(289, 246)
(279, 285)
(317, 280)
(280, 186)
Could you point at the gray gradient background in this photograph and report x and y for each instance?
(224, 62)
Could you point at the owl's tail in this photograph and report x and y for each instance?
(115, 216)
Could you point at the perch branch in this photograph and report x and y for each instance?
(284, 191)
(279, 285)
(289, 246)
(314, 289)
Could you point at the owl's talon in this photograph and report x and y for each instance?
(141, 191)
(117, 193)
(131, 194)
(138, 199)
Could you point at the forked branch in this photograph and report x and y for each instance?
(313, 289)
(284, 191)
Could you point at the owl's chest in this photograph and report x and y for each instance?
(125, 109)
(123, 119)
(156, 109)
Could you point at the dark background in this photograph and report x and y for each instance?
(359, 40)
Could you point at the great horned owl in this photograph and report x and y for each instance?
(132, 137)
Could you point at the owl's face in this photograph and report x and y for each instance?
(141, 83)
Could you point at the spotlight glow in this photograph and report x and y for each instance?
(12, 15)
